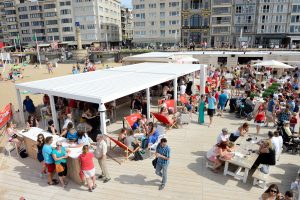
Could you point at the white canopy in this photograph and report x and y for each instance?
(107, 85)
(272, 64)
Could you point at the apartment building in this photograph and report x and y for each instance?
(2, 21)
(100, 21)
(293, 28)
(221, 23)
(272, 22)
(127, 26)
(54, 20)
(244, 23)
(156, 23)
(195, 17)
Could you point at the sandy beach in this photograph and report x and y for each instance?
(7, 88)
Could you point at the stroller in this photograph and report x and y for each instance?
(290, 142)
(245, 111)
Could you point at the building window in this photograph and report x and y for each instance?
(69, 38)
(50, 14)
(22, 9)
(162, 33)
(195, 4)
(51, 22)
(66, 20)
(162, 23)
(162, 5)
(238, 9)
(152, 5)
(67, 29)
(23, 16)
(49, 6)
(91, 26)
(173, 4)
(295, 18)
(196, 21)
(65, 12)
(162, 14)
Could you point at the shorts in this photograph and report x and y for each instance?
(210, 112)
(89, 173)
(65, 172)
(259, 123)
(50, 167)
(40, 157)
(221, 106)
(213, 158)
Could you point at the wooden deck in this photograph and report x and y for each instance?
(188, 178)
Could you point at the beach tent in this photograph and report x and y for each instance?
(104, 86)
(273, 64)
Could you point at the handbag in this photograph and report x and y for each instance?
(59, 168)
(154, 162)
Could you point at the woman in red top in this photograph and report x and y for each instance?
(87, 167)
(260, 118)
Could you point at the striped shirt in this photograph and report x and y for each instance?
(165, 151)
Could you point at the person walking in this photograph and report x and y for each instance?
(163, 156)
(211, 107)
(100, 154)
(201, 109)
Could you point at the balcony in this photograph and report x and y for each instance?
(195, 27)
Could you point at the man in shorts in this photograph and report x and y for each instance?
(49, 161)
(211, 107)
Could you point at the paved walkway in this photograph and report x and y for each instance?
(188, 178)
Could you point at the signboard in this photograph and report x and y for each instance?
(77, 24)
(5, 115)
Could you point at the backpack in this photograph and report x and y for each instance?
(23, 153)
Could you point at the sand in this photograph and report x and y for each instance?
(7, 88)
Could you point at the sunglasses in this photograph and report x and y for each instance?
(275, 191)
(41, 138)
(59, 145)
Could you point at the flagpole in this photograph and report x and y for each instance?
(38, 50)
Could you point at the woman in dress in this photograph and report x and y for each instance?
(260, 118)
(12, 135)
(201, 109)
(39, 147)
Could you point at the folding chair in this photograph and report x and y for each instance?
(164, 120)
(131, 119)
(122, 146)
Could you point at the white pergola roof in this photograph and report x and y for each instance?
(107, 85)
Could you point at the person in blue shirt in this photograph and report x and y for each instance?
(28, 105)
(222, 102)
(49, 161)
(163, 156)
(271, 110)
(211, 107)
(136, 126)
(60, 155)
(70, 133)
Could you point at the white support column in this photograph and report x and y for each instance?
(148, 103)
(202, 78)
(53, 111)
(102, 110)
(21, 110)
(175, 93)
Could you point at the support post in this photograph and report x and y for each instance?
(21, 111)
(202, 78)
(102, 111)
(175, 93)
(53, 111)
(148, 103)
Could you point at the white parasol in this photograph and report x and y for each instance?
(272, 64)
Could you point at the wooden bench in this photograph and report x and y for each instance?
(259, 177)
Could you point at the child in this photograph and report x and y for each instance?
(293, 121)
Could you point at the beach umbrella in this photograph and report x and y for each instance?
(272, 64)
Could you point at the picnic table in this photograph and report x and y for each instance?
(245, 155)
(73, 164)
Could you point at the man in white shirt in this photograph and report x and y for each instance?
(277, 142)
(100, 154)
(67, 121)
(182, 89)
(224, 136)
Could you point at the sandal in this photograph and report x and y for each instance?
(55, 180)
(90, 190)
(94, 186)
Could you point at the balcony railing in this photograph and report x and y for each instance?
(195, 27)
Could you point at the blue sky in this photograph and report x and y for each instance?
(127, 3)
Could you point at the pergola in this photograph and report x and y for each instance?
(104, 86)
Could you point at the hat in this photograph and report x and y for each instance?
(225, 130)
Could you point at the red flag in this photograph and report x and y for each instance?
(5, 115)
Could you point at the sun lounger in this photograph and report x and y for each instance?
(131, 119)
(170, 104)
(122, 146)
(164, 120)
